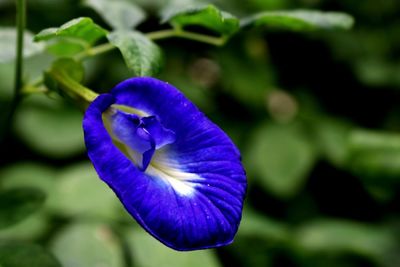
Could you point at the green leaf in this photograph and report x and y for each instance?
(141, 55)
(25, 255)
(365, 140)
(83, 29)
(280, 157)
(339, 236)
(246, 79)
(8, 42)
(87, 244)
(28, 174)
(119, 14)
(259, 226)
(73, 69)
(79, 192)
(64, 47)
(331, 136)
(207, 16)
(141, 243)
(50, 127)
(31, 175)
(18, 204)
(6, 85)
(375, 154)
(32, 228)
(299, 20)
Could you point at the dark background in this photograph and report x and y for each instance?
(316, 116)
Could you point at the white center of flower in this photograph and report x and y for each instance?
(162, 164)
(180, 181)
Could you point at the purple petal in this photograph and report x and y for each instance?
(126, 128)
(191, 194)
(161, 135)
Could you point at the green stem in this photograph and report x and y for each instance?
(21, 21)
(157, 35)
(72, 88)
(34, 89)
(103, 48)
(177, 32)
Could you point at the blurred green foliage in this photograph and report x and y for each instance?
(315, 114)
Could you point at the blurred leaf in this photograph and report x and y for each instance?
(25, 255)
(375, 154)
(280, 158)
(83, 29)
(141, 243)
(7, 82)
(379, 164)
(207, 16)
(119, 14)
(32, 228)
(372, 62)
(8, 45)
(33, 175)
(141, 55)
(28, 174)
(70, 67)
(35, 66)
(299, 20)
(246, 78)
(331, 136)
(337, 236)
(79, 192)
(64, 47)
(259, 226)
(373, 140)
(87, 244)
(50, 127)
(18, 204)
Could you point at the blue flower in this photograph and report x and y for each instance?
(177, 173)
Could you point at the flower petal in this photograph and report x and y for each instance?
(126, 128)
(161, 135)
(191, 194)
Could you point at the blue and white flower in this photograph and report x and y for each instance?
(177, 173)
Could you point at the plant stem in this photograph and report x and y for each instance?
(177, 32)
(158, 35)
(72, 88)
(103, 48)
(31, 89)
(21, 21)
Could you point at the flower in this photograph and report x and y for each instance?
(177, 173)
